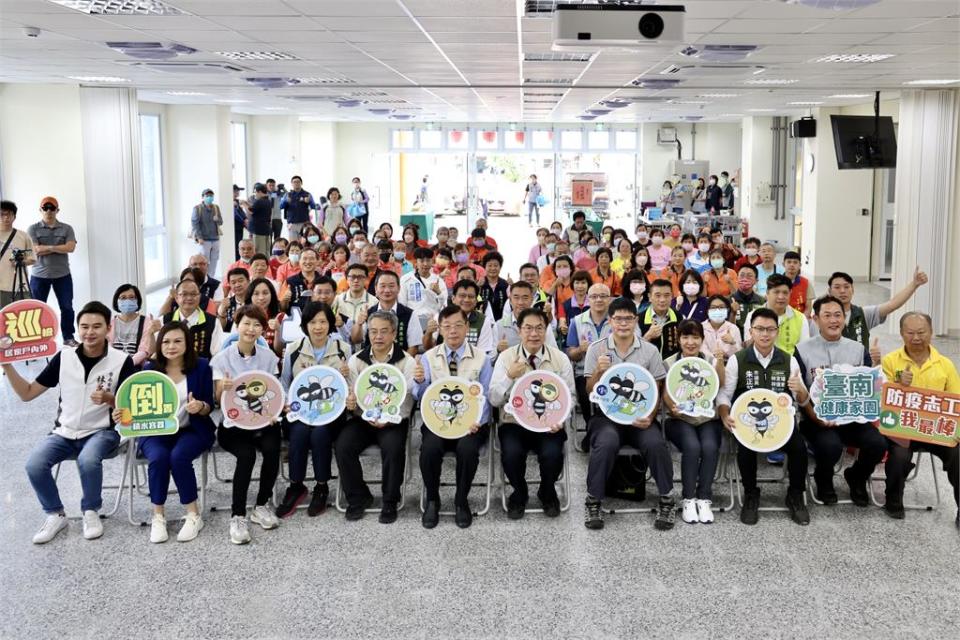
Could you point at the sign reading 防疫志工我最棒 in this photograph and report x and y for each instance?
(911, 413)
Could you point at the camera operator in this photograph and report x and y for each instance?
(16, 249)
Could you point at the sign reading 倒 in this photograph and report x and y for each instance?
(926, 415)
(28, 330)
(581, 193)
(844, 394)
(148, 404)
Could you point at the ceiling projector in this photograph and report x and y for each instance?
(593, 26)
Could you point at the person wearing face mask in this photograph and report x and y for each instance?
(698, 196)
(699, 259)
(604, 272)
(400, 257)
(712, 197)
(361, 201)
(292, 265)
(720, 336)
(726, 201)
(585, 258)
(246, 250)
(745, 299)
(354, 228)
(130, 329)
(461, 258)
(358, 241)
(659, 251)
(206, 223)
(575, 231)
(634, 285)
(751, 254)
(550, 244)
(310, 235)
(278, 256)
(411, 240)
(675, 269)
(719, 280)
(387, 262)
(667, 199)
(640, 260)
(729, 252)
(673, 236)
(482, 224)
(643, 237)
(296, 205)
(478, 246)
(692, 303)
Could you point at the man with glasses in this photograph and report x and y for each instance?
(479, 325)
(455, 357)
(16, 251)
(53, 241)
(204, 329)
(586, 329)
(763, 365)
(409, 334)
(507, 330)
(210, 285)
(516, 441)
(606, 437)
(355, 300)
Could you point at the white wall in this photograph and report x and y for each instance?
(42, 155)
(757, 150)
(273, 150)
(718, 143)
(318, 158)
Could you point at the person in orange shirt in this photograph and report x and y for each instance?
(292, 266)
(557, 283)
(801, 289)
(675, 269)
(479, 247)
(603, 274)
(719, 280)
(482, 224)
(370, 258)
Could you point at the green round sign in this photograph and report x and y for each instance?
(693, 384)
(148, 404)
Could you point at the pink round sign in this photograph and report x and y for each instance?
(255, 401)
(540, 400)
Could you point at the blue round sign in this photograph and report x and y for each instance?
(317, 396)
(626, 392)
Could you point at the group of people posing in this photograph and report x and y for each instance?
(338, 296)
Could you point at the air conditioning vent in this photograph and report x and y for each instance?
(557, 81)
(257, 55)
(712, 70)
(656, 83)
(720, 52)
(121, 7)
(557, 57)
(151, 50)
(272, 83)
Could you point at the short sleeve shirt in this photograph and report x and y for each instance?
(20, 241)
(51, 265)
(642, 353)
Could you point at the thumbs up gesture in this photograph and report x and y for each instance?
(919, 277)
(875, 355)
(194, 406)
(418, 373)
(796, 387)
(906, 377)
(603, 362)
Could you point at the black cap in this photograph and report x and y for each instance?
(260, 187)
(236, 188)
(207, 192)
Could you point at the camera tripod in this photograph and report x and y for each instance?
(21, 283)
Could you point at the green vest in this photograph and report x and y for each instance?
(857, 328)
(791, 330)
(474, 325)
(752, 375)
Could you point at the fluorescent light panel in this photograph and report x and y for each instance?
(855, 57)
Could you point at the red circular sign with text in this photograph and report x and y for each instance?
(28, 330)
(255, 401)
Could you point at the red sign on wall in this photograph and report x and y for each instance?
(581, 193)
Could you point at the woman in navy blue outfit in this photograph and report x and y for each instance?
(174, 454)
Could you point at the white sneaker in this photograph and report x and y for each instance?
(264, 516)
(705, 511)
(192, 524)
(158, 529)
(689, 513)
(92, 527)
(52, 525)
(238, 530)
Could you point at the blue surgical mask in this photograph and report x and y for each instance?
(208, 200)
(551, 246)
(313, 239)
(593, 248)
(127, 306)
(717, 315)
(399, 255)
(341, 238)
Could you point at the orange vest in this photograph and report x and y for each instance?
(798, 294)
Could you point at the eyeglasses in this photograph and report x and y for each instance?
(355, 276)
(622, 319)
(598, 296)
(49, 208)
(539, 328)
(765, 329)
(450, 327)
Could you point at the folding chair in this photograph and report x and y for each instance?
(138, 463)
(120, 451)
(486, 456)
(760, 481)
(837, 473)
(563, 481)
(912, 476)
(373, 451)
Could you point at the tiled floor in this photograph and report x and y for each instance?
(851, 573)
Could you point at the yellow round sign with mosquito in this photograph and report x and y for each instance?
(764, 419)
(451, 406)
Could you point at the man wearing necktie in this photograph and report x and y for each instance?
(455, 357)
(516, 441)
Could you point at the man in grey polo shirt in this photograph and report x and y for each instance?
(645, 435)
(53, 241)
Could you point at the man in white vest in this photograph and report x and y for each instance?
(88, 376)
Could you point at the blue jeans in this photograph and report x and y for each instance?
(63, 289)
(531, 207)
(89, 453)
(174, 455)
(318, 441)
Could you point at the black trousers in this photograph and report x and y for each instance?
(356, 436)
(606, 438)
(244, 445)
(583, 398)
(900, 462)
(276, 226)
(467, 450)
(828, 443)
(516, 442)
(796, 451)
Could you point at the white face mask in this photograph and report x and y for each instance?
(750, 252)
(691, 288)
(704, 247)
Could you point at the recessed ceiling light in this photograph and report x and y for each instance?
(186, 93)
(836, 5)
(855, 57)
(694, 102)
(770, 81)
(849, 95)
(256, 55)
(761, 110)
(718, 95)
(98, 79)
(120, 7)
(811, 103)
(914, 82)
(331, 79)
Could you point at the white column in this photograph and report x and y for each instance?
(111, 163)
(754, 204)
(927, 207)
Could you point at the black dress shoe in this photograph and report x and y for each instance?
(894, 509)
(516, 507)
(858, 488)
(750, 511)
(318, 503)
(827, 496)
(431, 514)
(798, 510)
(356, 511)
(388, 513)
(464, 516)
(550, 503)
